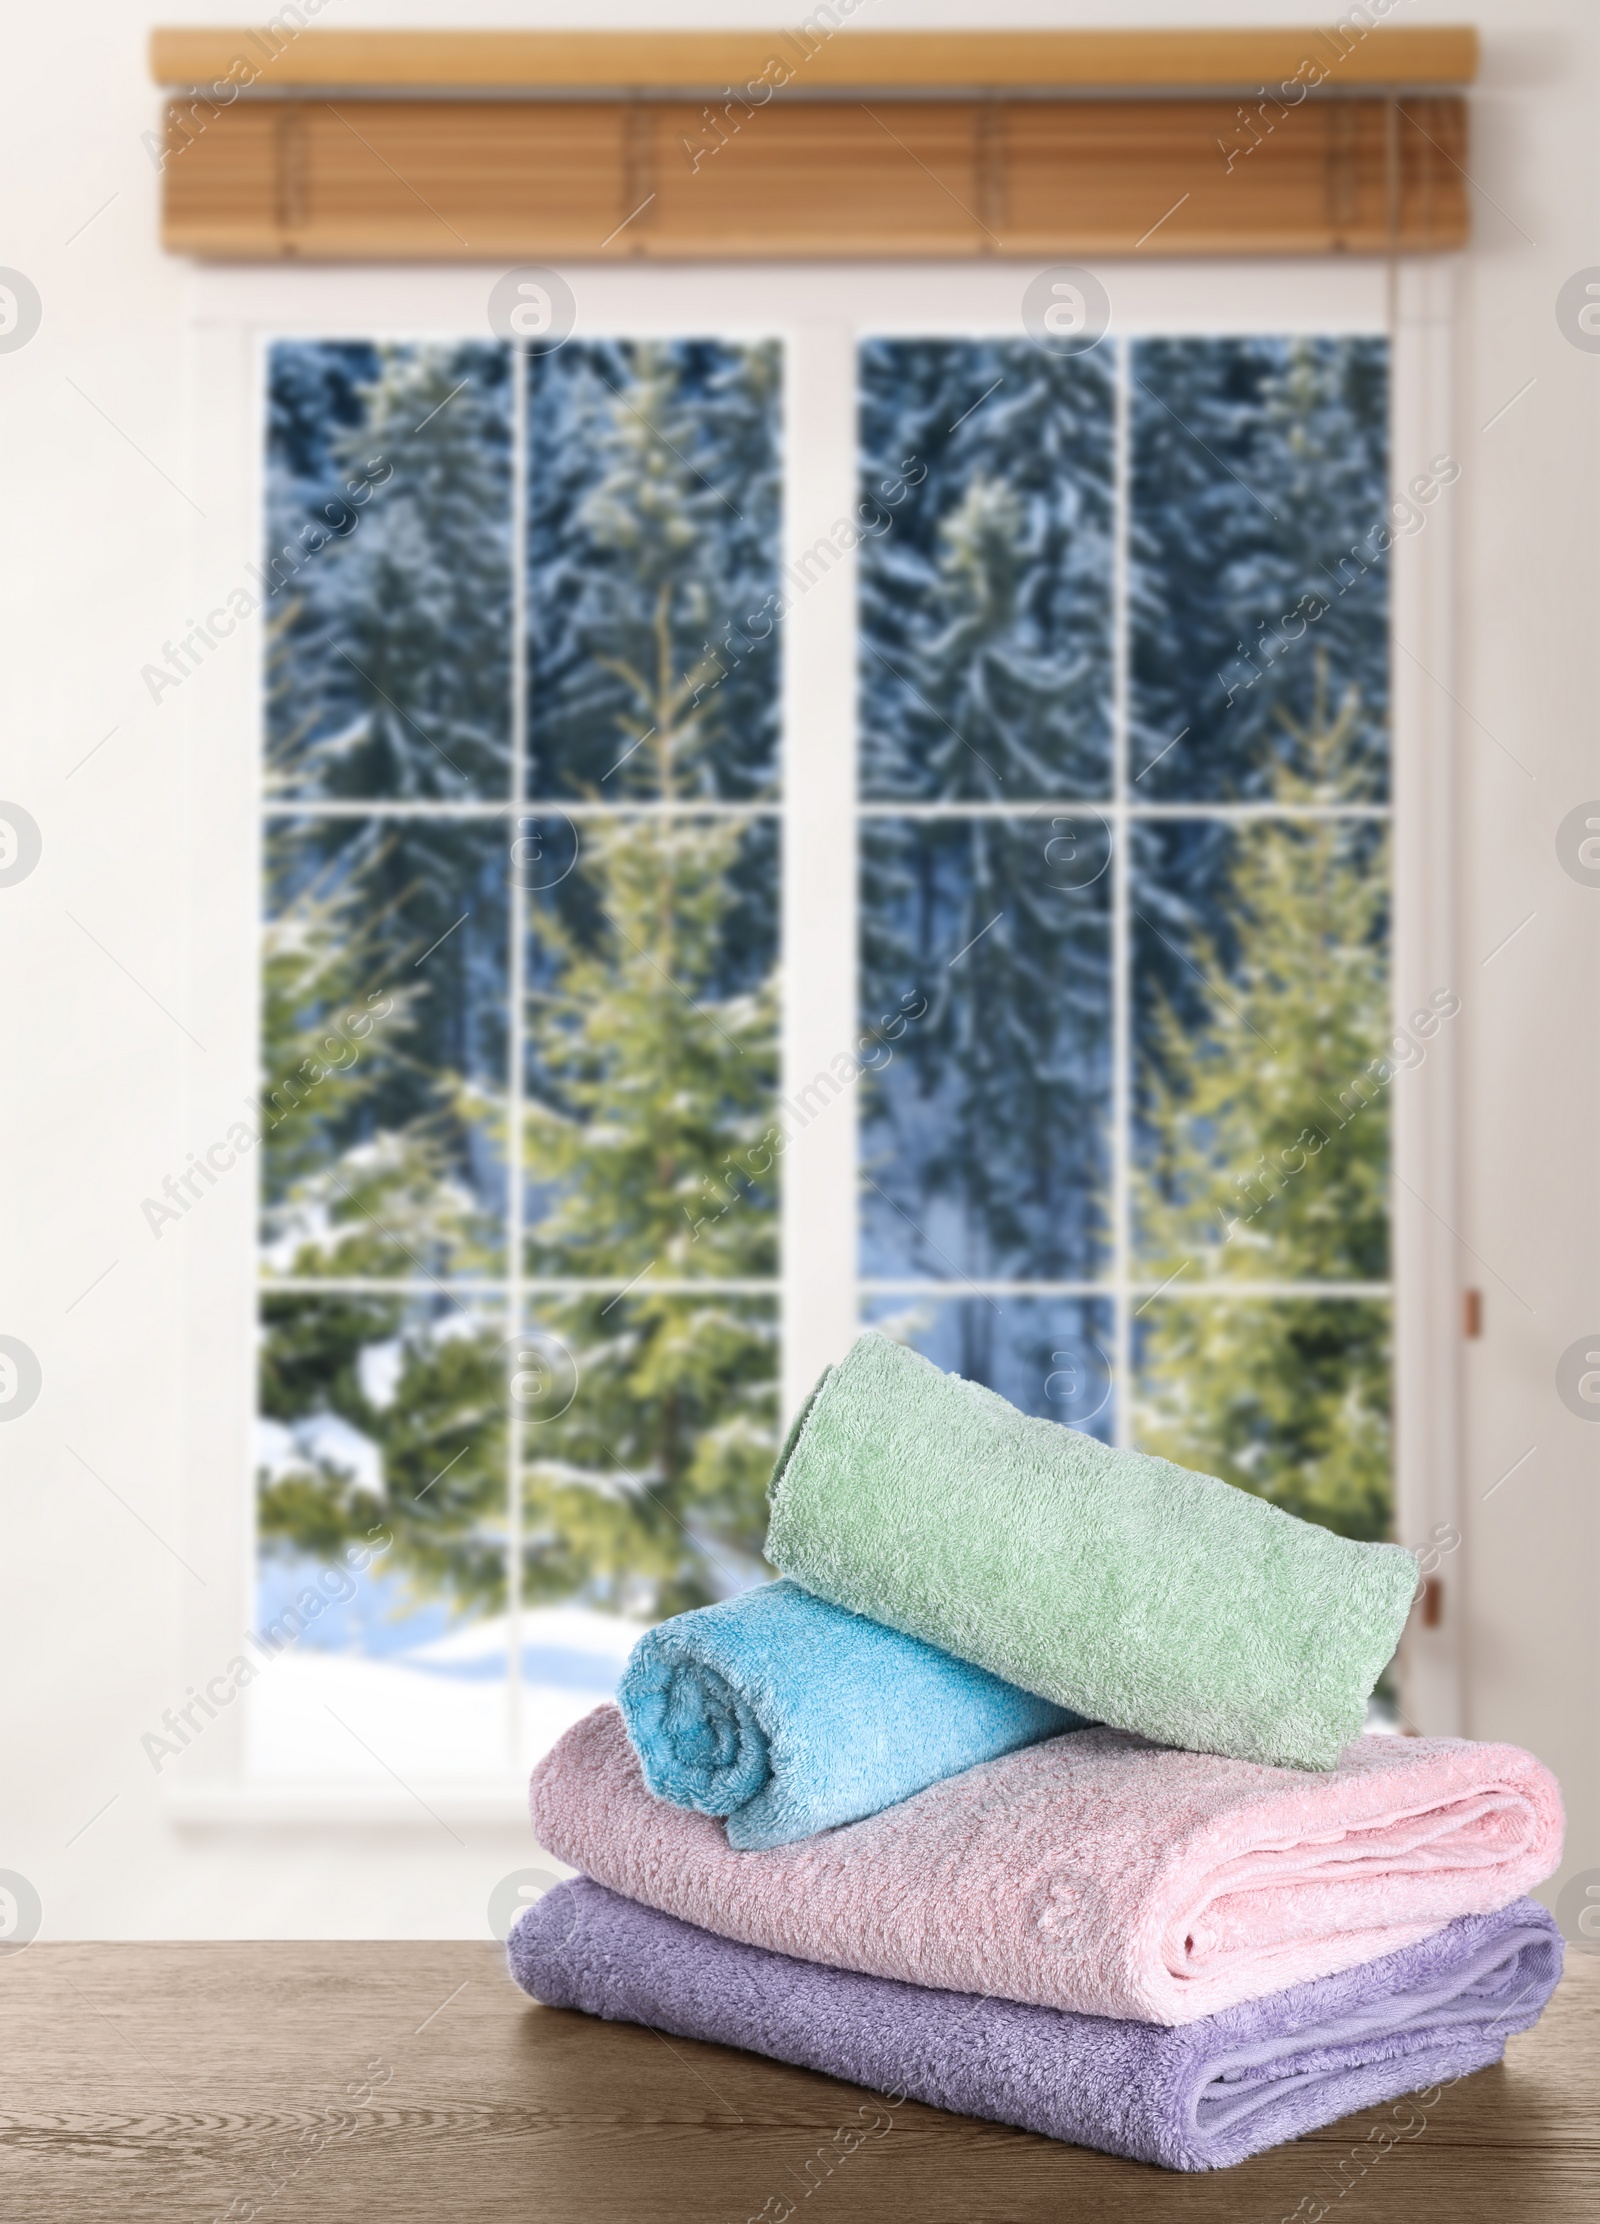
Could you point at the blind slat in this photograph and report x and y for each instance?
(484, 180)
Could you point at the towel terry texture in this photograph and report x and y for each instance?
(1092, 1871)
(787, 1715)
(1121, 1586)
(1195, 2098)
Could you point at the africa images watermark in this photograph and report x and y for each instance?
(183, 659)
(327, 2126)
(825, 1087)
(184, 125)
(1424, 488)
(1403, 1055)
(1406, 2119)
(807, 39)
(876, 2122)
(870, 520)
(1343, 37)
(184, 1190)
(336, 1585)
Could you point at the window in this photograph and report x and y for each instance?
(1124, 808)
(1033, 711)
(519, 1321)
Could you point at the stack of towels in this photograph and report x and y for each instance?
(1036, 1791)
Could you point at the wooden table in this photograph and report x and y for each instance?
(399, 2082)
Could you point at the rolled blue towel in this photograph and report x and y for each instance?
(788, 1715)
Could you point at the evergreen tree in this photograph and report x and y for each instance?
(1288, 1399)
(399, 684)
(985, 593)
(372, 1207)
(653, 1148)
(365, 1167)
(654, 1045)
(986, 676)
(1257, 467)
(654, 501)
(1265, 1157)
(389, 676)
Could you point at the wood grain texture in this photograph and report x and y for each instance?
(502, 181)
(402, 2084)
(1391, 54)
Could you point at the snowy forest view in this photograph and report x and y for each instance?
(1123, 840)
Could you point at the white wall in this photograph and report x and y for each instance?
(104, 1092)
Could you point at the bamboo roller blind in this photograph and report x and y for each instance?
(330, 146)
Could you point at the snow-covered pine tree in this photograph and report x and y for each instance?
(401, 618)
(654, 501)
(652, 1021)
(986, 677)
(388, 649)
(390, 677)
(345, 1196)
(1257, 466)
(1265, 1157)
(1020, 665)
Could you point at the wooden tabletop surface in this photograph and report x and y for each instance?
(412, 2082)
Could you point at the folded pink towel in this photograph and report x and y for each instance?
(1095, 1871)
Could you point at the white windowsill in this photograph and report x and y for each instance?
(238, 1803)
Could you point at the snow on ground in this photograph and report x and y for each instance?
(440, 1710)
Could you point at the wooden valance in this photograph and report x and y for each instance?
(501, 147)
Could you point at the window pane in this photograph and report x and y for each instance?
(1289, 1399)
(386, 574)
(986, 982)
(649, 1432)
(653, 570)
(384, 1045)
(1258, 573)
(653, 1054)
(573, 1655)
(1050, 1356)
(985, 571)
(1264, 1053)
(382, 1517)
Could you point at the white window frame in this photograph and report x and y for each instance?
(821, 313)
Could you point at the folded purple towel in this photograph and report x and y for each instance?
(1194, 2097)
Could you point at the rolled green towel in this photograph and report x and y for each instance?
(1131, 1590)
